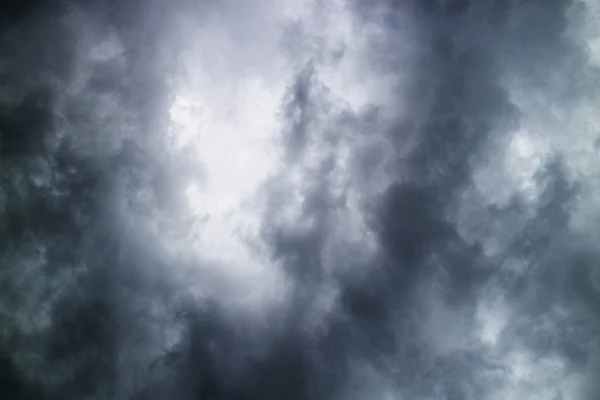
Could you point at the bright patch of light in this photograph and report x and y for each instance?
(234, 142)
(492, 317)
(525, 158)
(227, 112)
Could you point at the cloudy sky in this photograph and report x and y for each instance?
(300, 199)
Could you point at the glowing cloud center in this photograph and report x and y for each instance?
(234, 142)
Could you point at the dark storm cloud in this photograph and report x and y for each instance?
(31, 215)
(460, 107)
(298, 110)
(60, 259)
(98, 271)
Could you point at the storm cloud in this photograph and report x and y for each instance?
(295, 199)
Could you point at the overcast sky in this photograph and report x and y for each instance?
(300, 199)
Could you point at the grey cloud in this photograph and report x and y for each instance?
(461, 104)
(298, 110)
(111, 300)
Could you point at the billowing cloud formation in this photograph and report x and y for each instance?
(291, 199)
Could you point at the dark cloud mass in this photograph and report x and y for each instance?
(393, 199)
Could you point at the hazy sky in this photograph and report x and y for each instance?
(300, 199)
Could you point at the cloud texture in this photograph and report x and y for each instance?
(296, 199)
